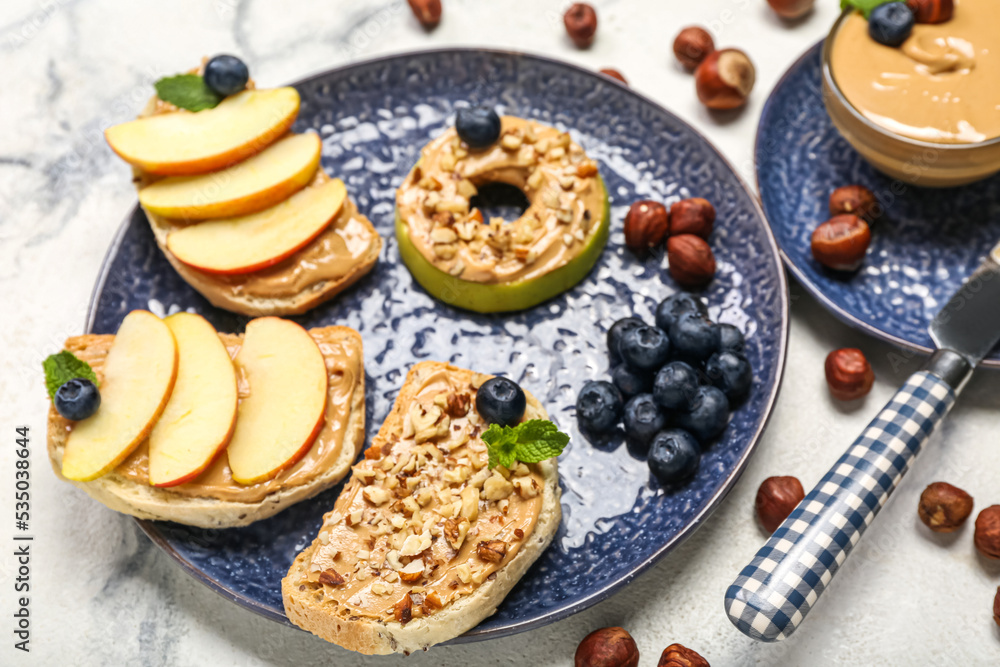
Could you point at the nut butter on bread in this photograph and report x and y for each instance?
(425, 540)
(213, 499)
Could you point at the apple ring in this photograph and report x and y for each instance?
(496, 265)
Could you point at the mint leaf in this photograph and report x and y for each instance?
(533, 441)
(63, 367)
(863, 6)
(187, 91)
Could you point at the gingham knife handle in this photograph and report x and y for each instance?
(777, 589)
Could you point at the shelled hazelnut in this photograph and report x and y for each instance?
(848, 374)
(692, 263)
(931, 11)
(855, 200)
(646, 226)
(724, 79)
(614, 74)
(581, 24)
(987, 537)
(996, 607)
(677, 655)
(607, 647)
(944, 508)
(692, 216)
(841, 242)
(791, 9)
(776, 498)
(428, 12)
(692, 45)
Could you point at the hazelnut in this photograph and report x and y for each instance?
(996, 607)
(607, 647)
(614, 74)
(692, 45)
(428, 12)
(856, 200)
(944, 508)
(677, 655)
(581, 24)
(692, 216)
(791, 9)
(931, 11)
(848, 374)
(776, 498)
(724, 79)
(987, 537)
(645, 226)
(692, 263)
(841, 242)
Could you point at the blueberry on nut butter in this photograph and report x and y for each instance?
(501, 401)
(479, 127)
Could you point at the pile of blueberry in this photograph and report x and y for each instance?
(672, 384)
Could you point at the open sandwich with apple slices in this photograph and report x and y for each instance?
(442, 517)
(240, 205)
(202, 428)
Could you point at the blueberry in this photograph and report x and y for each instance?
(598, 407)
(643, 418)
(479, 126)
(630, 382)
(226, 75)
(500, 401)
(675, 386)
(708, 416)
(673, 455)
(730, 372)
(77, 399)
(730, 338)
(891, 23)
(694, 337)
(615, 334)
(645, 348)
(675, 304)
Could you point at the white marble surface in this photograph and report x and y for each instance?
(105, 596)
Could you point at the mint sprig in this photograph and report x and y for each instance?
(863, 6)
(530, 442)
(187, 91)
(63, 367)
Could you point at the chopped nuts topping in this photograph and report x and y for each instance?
(403, 611)
(492, 551)
(330, 577)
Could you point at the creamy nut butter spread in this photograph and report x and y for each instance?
(565, 193)
(942, 85)
(344, 368)
(423, 520)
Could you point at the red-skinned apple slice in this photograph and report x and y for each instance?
(285, 399)
(255, 184)
(200, 416)
(139, 375)
(256, 241)
(183, 143)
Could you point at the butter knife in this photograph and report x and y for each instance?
(772, 595)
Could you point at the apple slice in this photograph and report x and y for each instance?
(255, 241)
(284, 411)
(258, 182)
(139, 375)
(200, 415)
(184, 143)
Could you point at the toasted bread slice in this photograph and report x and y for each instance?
(357, 586)
(213, 500)
(294, 285)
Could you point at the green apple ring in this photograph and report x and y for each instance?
(502, 266)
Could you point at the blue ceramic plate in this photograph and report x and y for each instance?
(373, 118)
(923, 247)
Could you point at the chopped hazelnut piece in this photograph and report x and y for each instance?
(331, 577)
(526, 487)
(414, 544)
(403, 611)
(413, 571)
(455, 532)
(492, 551)
(375, 495)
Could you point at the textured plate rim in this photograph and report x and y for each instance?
(814, 290)
(598, 595)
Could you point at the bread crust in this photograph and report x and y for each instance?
(148, 502)
(373, 637)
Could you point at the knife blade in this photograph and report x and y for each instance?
(772, 595)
